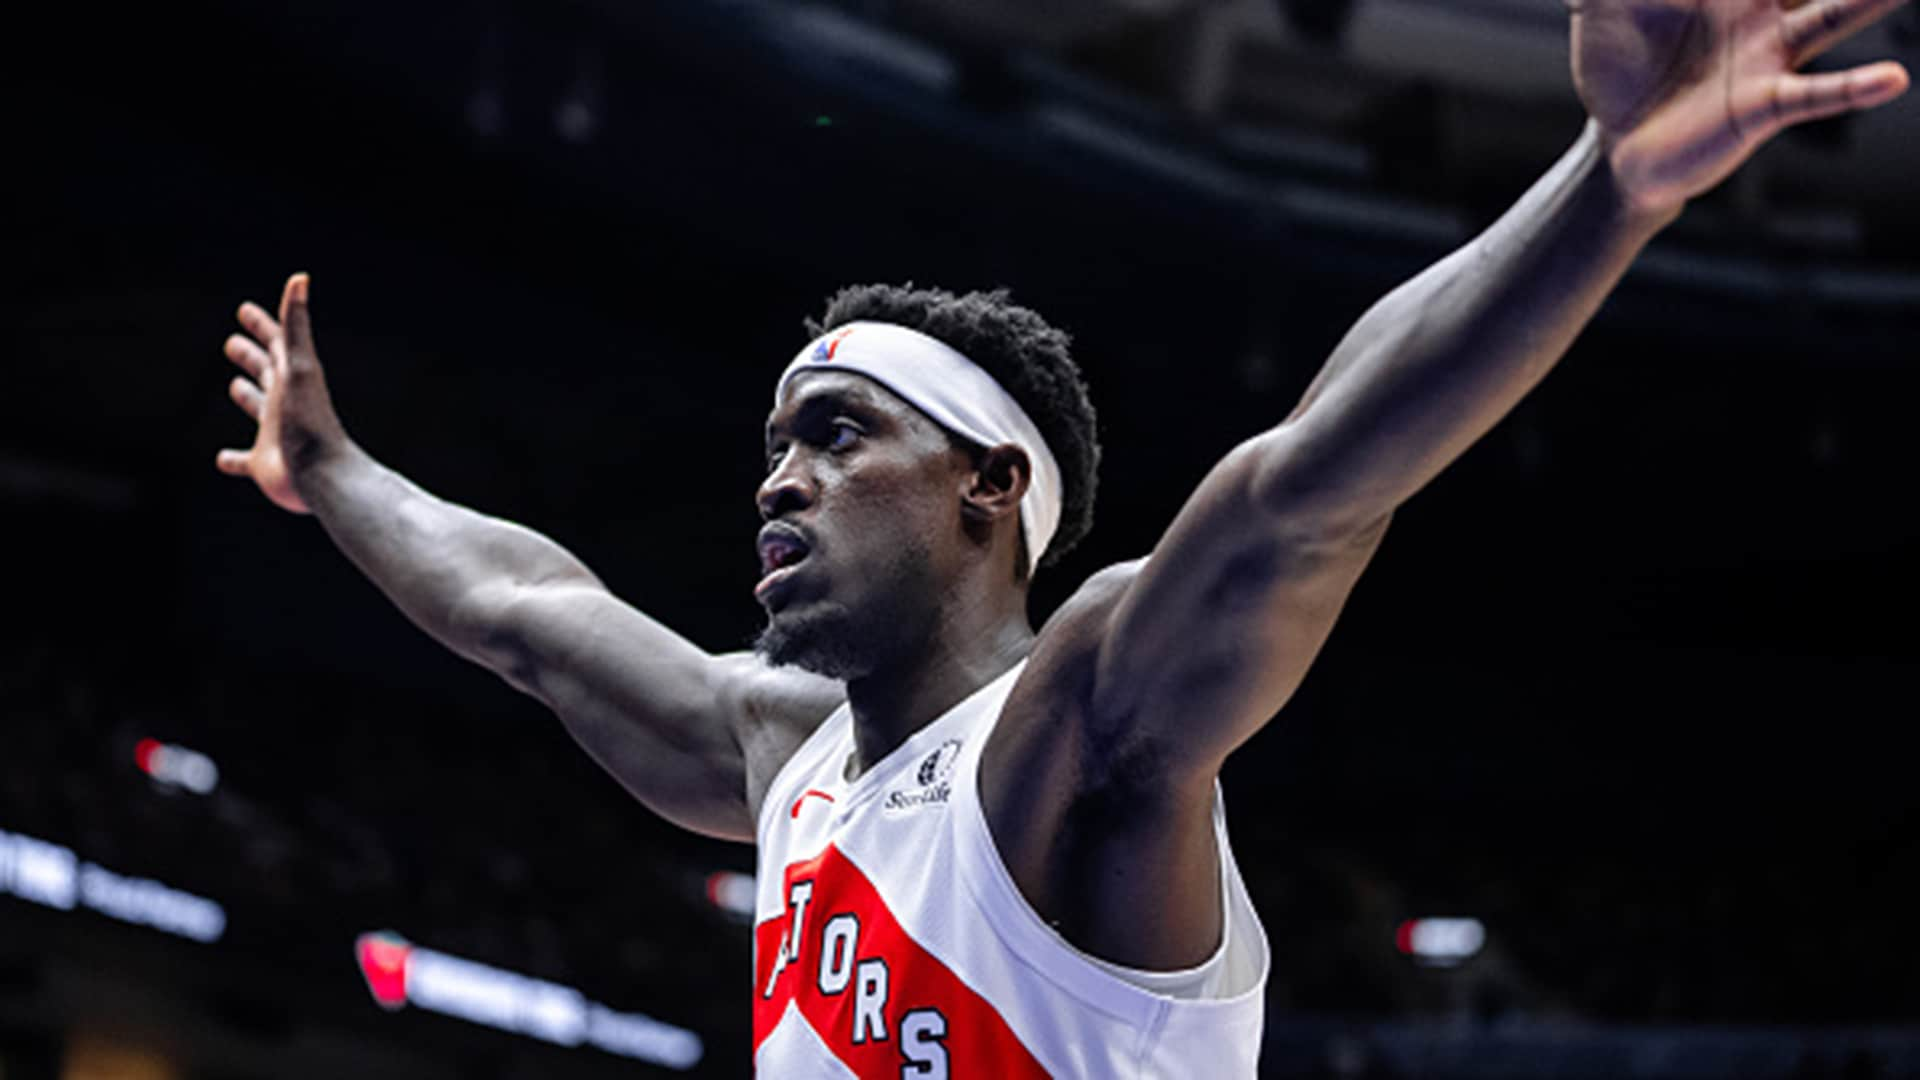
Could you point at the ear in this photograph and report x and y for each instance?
(997, 484)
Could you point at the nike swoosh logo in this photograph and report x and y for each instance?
(813, 792)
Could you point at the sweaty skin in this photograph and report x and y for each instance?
(1098, 780)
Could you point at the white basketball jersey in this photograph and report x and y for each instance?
(892, 942)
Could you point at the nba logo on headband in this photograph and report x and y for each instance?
(823, 350)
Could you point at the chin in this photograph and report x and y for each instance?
(825, 642)
(854, 634)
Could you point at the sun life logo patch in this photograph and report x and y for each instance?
(934, 777)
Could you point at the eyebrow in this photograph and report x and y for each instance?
(834, 400)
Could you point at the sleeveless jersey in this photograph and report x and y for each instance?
(891, 941)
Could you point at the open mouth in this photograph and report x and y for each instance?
(781, 549)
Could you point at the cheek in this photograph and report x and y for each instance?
(896, 520)
(892, 529)
(885, 507)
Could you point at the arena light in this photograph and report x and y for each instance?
(1440, 942)
(53, 876)
(177, 765)
(399, 973)
(732, 892)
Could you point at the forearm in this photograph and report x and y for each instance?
(453, 571)
(1437, 362)
(655, 710)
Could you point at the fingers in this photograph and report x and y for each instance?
(293, 316)
(1814, 26)
(257, 322)
(1799, 98)
(248, 356)
(247, 396)
(233, 462)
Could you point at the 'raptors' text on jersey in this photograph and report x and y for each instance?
(891, 941)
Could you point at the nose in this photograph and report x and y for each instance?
(786, 489)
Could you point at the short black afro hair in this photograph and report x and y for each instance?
(1023, 352)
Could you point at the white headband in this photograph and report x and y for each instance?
(955, 393)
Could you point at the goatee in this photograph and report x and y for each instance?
(825, 643)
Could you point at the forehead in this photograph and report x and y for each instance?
(812, 389)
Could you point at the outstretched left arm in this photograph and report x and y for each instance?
(1216, 630)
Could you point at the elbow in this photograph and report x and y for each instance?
(1298, 488)
(487, 625)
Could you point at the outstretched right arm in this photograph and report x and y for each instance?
(694, 736)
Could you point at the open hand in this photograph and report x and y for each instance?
(1684, 91)
(285, 392)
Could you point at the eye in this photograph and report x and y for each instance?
(842, 436)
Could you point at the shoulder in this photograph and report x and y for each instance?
(1069, 644)
(1084, 616)
(760, 695)
(772, 710)
(1048, 708)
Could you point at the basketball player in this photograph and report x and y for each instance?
(986, 852)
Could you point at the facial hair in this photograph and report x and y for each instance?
(826, 640)
(834, 640)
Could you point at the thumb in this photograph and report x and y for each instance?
(294, 319)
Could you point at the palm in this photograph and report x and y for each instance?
(285, 393)
(1684, 91)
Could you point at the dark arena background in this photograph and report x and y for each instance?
(1606, 771)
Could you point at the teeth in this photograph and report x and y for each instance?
(781, 554)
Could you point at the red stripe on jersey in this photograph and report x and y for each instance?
(835, 994)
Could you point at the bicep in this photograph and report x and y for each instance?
(1217, 628)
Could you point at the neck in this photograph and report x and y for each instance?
(968, 648)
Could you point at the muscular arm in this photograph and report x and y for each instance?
(1242, 591)
(694, 736)
(657, 712)
(1217, 629)
(1439, 361)
(1164, 667)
